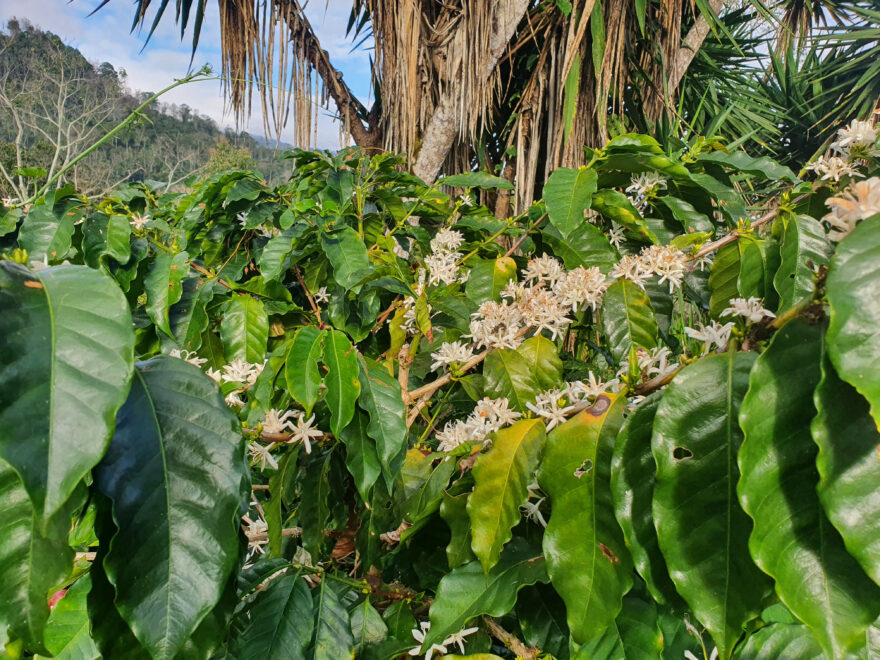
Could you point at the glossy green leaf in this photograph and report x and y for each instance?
(586, 247)
(348, 256)
(188, 317)
(616, 206)
(467, 592)
(361, 456)
(742, 162)
(792, 540)
(32, 562)
(46, 232)
(501, 479)
(176, 474)
(301, 367)
(314, 511)
(333, 639)
(724, 278)
(781, 640)
(162, 284)
(65, 364)
(281, 622)
(106, 235)
(453, 510)
(628, 319)
(587, 559)
(639, 629)
(632, 485)
(382, 399)
(759, 261)
(702, 531)
(567, 193)
(482, 180)
(849, 468)
(854, 333)
(683, 211)
(367, 625)
(804, 248)
(488, 277)
(274, 253)
(508, 374)
(426, 499)
(543, 361)
(67, 632)
(343, 386)
(244, 329)
(541, 615)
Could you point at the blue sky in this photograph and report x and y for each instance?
(106, 36)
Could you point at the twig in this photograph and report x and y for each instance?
(509, 640)
(264, 536)
(732, 236)
(411, 417)
(309, 296)
(655, 383)
(384, 315)
(435, 385)
(404, 359)
(522, 239)
(88, 556)
(206, 273)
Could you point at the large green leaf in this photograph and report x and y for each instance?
(32, 562)
(301, 367)
(632, 484)
(792, 540)
(587, 559)
(46, 232)
(314, 510)
(467, 592)
(67, 633)
(724, 278)
(586, 247)
(691, 219)
(781, 640)
(382, 399)
(541, 615)
(245, 329)
(543, 361)
(508, 374)
(482, 180)
(488, 277)
(333, 639)
(453, 510)
(343, 386)
(616, 206)
(367, 625)
(162, 284)
(628, 318)
(742, 162)
(854, 333)
(106, 235)
(804, 248)
(176, 473)
(848, 467)
(274, 253)
(188, 317)
(501, 479)
(348, 256)
(280, 624)
(759, 261)
(65, 364)
(702, 531)
(361, 457)
(567, 194)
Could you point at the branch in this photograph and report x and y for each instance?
(509, 640)
(689, 47)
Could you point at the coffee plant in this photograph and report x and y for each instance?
(359, 416)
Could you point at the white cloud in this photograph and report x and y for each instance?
(106, 36)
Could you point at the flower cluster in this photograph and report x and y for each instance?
(421, 632)
(665, 261)
(188, 356)
(751, 309)
(454, 352)
(858, 140)
(442, 263)
(859, 201)
(488, 416)
(643, 185)
(712, 334)
(832, 168)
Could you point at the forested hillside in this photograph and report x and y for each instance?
(54, 104)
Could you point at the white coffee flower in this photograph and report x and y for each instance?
(188, 356)
(261, 453)
(857, 140)
(656, 361)
(278, 422)
(546, 405)
(458, 638)
(751, 309)
(860, 200)
(237, 371)
(453, 435)
(257, 535)
(581, 285)
(580, 391)
(665, 261)
(304, 432)
(541, 309)
(632, 268)
(454, 352)
(497, 412)
(138, 221)
(443, 267)
(712, 334)
(242, 218)
(616, 236)
(645, 183)
(832, 168)
(321, 295)
(419, 636)
(543, 269)
(214, 374)
(447, 240)
(233, 399)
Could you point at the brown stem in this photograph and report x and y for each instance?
(509, 640)
(264, 536)
(522, 239)
(380, 320)
(204, 272)
(311, 300)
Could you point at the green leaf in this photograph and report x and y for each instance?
(32, 562)
(382, 399)
(508, 374)
(541, 615)
(632, 485)
(586, 247)
(849, 470)
(854, 333)
(188, 317)
(367, 625)
(638, 627)
(177, 475)
(501, 479)
(106, 235)
(244, 329)
(361, 457)
(488, 277)
(348, 256)
(467, 592)
(616, 206)
(781, 640)
(425, 501)
(804, 248)
(301, 367)
(702, 531)
(162, 284)
(333, 639)
(691, 219)
(759, 261)
(628, 319)
(343, 387)
(543, 361)
(282, 489)
(792, 540)
(482, 180)
(244, 188)
(587, 560)
(742, 162)
(314, 510)
(274, 253)
(724, 278)
(67, 633)
(568, 193)
(280, 625)
(46, 233)
(65, 364)
(453, 510)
